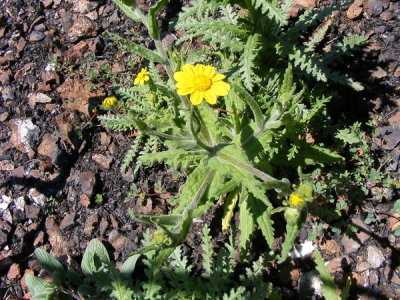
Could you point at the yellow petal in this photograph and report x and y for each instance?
(184, 85)
(188, 69)
(136, 81)
(220, 88)
(218, 77)
(209, 71)
(210, 97)
(196, 98)
(181, 76)
(146, 77)
(185, 91)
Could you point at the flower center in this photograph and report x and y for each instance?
(202, 83)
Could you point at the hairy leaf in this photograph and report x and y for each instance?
(134, 48)
(95, 255)
(247, 62)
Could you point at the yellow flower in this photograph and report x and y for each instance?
(142, 77)
(110, 102)
(296, 201)
(201, 82)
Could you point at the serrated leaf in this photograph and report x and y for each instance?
(247, 62)
(246, 222)
(272, 8)
(328, 283)
(263, 218)
(48, 262)
(95, 255)
(175, 157)
(135, 48)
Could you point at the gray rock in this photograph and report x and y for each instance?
(36, 36)
(83, 27)
(373, 7)
(375, 257)
(362, 266)
(87, 181)
(32, 212)
(350, 245)
(38, 98)
(68, 221)
(37, 198)
(24, 134)
(373, 278)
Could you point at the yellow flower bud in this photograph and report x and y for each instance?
(150, 97)
(110, 102)
(305, 191)
(292, 215)
(160, 237)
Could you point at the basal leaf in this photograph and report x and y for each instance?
(246, 222)
(247, 63)
(175, 157)
(328, 283)
(262, 216)
(135, 48)
(95, 255)
(48, 262)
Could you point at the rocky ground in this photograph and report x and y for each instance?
(60, 183)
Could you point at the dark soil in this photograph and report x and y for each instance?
(56, 159)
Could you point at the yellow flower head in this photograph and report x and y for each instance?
(110, 102)
(142, 77)
(201, 82)
(296, 201)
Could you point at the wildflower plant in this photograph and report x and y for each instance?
(236, 118)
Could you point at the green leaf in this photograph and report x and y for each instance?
(247, 62)
(48, 262)
(347, 136)
(126, 7)
(159, 220)
(309, 155)
(291, 233)
(36, 285)
(328, 284)
(209, 122)
(263, 218)
(253, 104)
(129, 265)
(193, 183)
(246, 224)
(152, 18)
(136, 49)
(175, 157)
(94, 257)
(272, 9)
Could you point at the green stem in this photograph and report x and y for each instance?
(168, 68)
(260, 174)
(194, 134)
